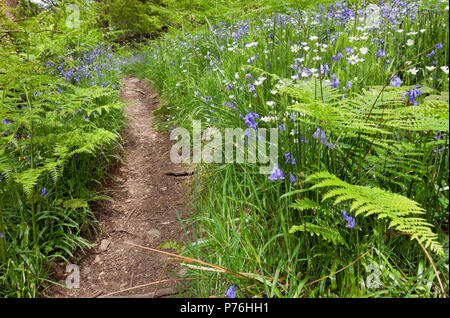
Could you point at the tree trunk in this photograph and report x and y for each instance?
(7, 5)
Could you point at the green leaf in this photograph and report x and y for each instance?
(75, 204)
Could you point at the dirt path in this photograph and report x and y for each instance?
(143, 211)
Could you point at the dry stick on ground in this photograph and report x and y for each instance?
(187, 259)
(184, 259)
(429, 258)
(162, 273)
(146, 285)
(161, 293)
(432, 264)
(356, 260)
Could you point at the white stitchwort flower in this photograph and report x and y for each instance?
(413, 71)
(410, 42)
(270, 103)
(252, 44)
(444, 69)
(363, 50)
(273, 92)
(306, 48)
(430, 68)
(259, 81)
(353, 59)
(295, 48)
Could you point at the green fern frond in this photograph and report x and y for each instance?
(305, 204)
(326, 233)
(401, 211)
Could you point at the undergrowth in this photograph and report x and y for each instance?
(357, 206)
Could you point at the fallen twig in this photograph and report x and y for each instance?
(356, 260)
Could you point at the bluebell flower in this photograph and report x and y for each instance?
(413, 94)
(276, 174)
(248, 133)
(290, 158)
(320, 135)
(395, 81)
(431, 54)
(380, 53)
(324, 69)
(293, 178)
(334, 81)
(250, 119)
(348, 50)
(282, 127)
(349, 84)
(44, 192)
(438, 46)
(231, 292)
(440, 135)
(349, 219)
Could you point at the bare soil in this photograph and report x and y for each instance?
(146, 188)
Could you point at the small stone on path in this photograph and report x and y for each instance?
(104, 245)
(153, 234)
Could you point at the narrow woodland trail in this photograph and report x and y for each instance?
(143, 211)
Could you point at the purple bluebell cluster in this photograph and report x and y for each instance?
(321, 136)
(351, 222)
(395, 81)
(439, 136)
(250, 120)
(290, 159)
(91, 66)
(276, 174)
(413, 94)
(231, 292)
(44, 192)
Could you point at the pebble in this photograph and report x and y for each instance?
(104, 245)
(153, 234)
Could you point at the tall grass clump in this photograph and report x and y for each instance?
(357, 206)
(60, 118)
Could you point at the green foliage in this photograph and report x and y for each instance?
(386, 159)
(134, 18)
(60, 117)
(403, 213)
(327, 234)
